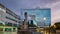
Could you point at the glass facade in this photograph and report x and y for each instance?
(40, 14)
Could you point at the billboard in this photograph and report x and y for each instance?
(41, 16)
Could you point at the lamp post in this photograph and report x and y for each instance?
(44, 24)
(49, 28)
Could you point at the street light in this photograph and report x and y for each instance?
(44, 24)
(44, 18)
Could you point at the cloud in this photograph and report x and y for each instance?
(55, 12)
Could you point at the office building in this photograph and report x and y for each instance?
(42, 15)
(9, 21)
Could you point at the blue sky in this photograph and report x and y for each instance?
(16, 5)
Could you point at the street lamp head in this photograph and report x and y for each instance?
(44, 18)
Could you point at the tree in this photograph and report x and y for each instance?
(57, 25)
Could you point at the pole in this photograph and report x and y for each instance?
(49, 28)
(44, 26)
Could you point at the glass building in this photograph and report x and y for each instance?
(41, 17)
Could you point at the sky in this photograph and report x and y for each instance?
(16, 5)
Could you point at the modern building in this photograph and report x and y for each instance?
(41, 17)
(9, 21)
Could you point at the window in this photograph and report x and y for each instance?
(8, 29)
(1, 24)
(8, 24)
(9, 12)
(11, 19)
(15, 25)
(14, 29)
(12, 14)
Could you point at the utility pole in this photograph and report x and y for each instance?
(44, 25)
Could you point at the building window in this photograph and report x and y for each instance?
(14, 29)
(9, 12)
(8, 29)
(15, 25)
(8, 24)
(1, 24)
(14, 15)
(11, 19)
